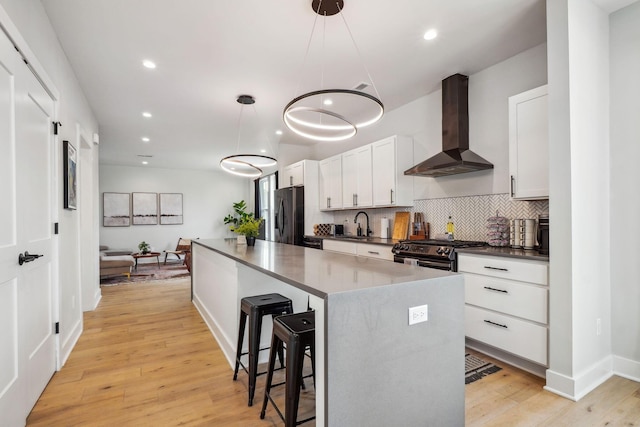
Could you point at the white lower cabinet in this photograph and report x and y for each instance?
(374, 251)
(339, 246)
(506, 304)
(360, 249)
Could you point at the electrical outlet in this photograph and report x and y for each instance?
(598, 326)
(418, 314)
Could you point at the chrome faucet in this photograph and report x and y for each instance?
(368, 232)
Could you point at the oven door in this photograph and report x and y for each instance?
(446, 265)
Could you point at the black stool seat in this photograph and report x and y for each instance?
(255, 307)
(297, 332)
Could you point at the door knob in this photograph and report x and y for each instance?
(27, 257)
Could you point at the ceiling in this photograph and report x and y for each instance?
(210, 51)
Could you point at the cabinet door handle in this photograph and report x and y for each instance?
(497, 290)
(374, 252)
(355, 200)
(392, 196)
(328, 202)
(496, 268)
(513, 184)
(291, 180)
(496, 324)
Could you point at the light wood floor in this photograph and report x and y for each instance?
(146, 358)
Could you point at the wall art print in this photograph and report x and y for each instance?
(145, 208)
(170, 208)
(116, 209)
(70, 179)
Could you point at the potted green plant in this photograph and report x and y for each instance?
(144, 247)
(243, 223)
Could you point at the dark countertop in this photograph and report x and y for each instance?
(319, 273)
(372, 239)
(508, 252)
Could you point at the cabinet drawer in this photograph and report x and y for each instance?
(513, 335)
(505, 268)
(374, 251)
(514, 298)
(337, 246)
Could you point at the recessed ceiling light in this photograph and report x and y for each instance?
(145, 139)
(145, 162)
(146, 114)
(431, 34)
(327, 102)
(149, 64)
(263, 151)
(278, 132)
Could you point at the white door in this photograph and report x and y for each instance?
(27, 336)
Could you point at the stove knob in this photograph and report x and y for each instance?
(405, 247)
(447, 251)
(440, 250)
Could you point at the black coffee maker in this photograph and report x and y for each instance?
(543, 234)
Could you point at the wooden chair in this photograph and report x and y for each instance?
(182, 248)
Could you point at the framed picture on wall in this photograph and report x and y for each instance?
(170, 208)
(116, 209)
(145, 208)
(70, 179)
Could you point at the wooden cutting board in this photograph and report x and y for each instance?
(401, 225)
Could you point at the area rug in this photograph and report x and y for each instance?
(476, 368)
(149, 272)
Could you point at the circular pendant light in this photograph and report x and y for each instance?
(246, 165)
(332, 114)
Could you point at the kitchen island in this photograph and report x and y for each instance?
(372, 367)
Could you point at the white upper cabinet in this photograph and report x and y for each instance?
(292, 175)
(356, 178)
(390, 158)
(331, 183)
(529, 145)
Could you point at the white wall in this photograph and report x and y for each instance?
(38, 39)
(625, 198)
(421, 119)
(207, 199)
(580, 355)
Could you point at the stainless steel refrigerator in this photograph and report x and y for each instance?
(289, 215)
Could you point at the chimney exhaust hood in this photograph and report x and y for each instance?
(455, 157)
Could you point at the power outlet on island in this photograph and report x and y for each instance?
(418, 314)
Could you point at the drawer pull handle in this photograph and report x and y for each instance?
(496, 268)
(496, 324)
(374, 252)
(504, 291)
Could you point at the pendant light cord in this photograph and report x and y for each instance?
(359, 53)
(306, 54)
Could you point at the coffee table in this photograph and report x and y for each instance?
(147, 255)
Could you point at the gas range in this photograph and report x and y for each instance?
(440, 254)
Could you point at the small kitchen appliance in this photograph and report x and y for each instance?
(530, 233)
(543, 234)
(515, 231)
(439, 254)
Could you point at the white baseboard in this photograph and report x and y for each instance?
(67, 346)
(226, 345)
(575, 388)
(626, 368)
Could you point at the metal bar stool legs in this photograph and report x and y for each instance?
(297, 332)
(255, 308)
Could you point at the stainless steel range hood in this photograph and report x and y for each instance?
(455, 157)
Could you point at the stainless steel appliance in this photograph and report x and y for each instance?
(289, 215)
(440, 254)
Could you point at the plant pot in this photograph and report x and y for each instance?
(242, 240)
(145, 252)
(251, 241)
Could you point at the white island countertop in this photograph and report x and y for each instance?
(317, 272)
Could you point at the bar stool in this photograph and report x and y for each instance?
(297, 332)
(256, 307)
